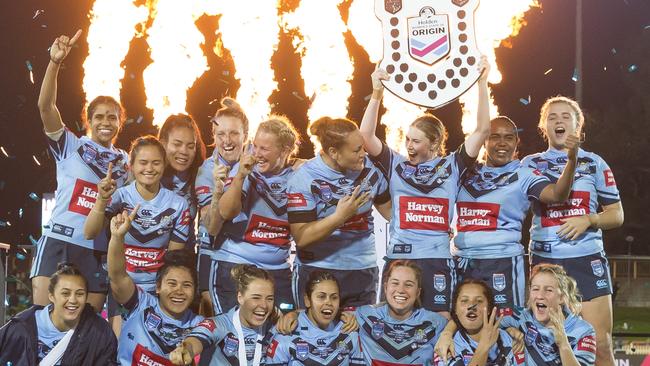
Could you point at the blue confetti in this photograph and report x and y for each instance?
(613, 51)
(632, 68)
(20, 213)
(524, 101)
(575, 76)
(139, 120)
(34, 196)
(32, 240)
(29, 65)
(520, 130)
(4, 223)
(20, 256)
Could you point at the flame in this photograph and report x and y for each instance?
(326, 66)
(112, 26)
(250, 31)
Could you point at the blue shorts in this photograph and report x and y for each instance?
(438, 282)
(506, 277)
(591, 273)
(203, 270)
(358, 287)
(91, 263)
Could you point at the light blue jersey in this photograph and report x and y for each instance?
(180, 184)
(541, 349)
(265, 240)
(48, 334)
(148, 334)
(310, 345)
(423, 198)
(593, 186)
(313, 193)
(80, 164)
(389, 342)
(491, 207)
(499, 355)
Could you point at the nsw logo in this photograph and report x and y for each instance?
(597, 267)
(499, 281)
(439, 282)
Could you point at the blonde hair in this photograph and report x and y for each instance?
(566, 285)
(244, 274)
(543, 113)
(434, 130)
(284, 130)
(332, 132)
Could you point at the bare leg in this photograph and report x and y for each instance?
(598, 312)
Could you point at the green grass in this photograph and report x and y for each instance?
(637, 319)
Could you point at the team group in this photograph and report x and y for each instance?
(124, 226)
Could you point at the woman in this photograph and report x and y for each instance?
(161, 221)
(492, 203)
(65, 332)
(554, 333)
(423, 188)
(230, 130)
(185, 150)
(570, 233)
(154, 324)
(330, 202)
(80, 164)
(255, 202)
(240, 335)
(479, 341)
(319, 337)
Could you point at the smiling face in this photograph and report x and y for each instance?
(270, 155)
(256, 303)
(544, 295)
(402, 291)
(323, 304)
(351, 154)
(180, 148)
(470, 306)
(560, 122)
(418, 146)
(68, 299)
(148, 165)
(104, 123)
(176, 291)
(229, 136)
(501, 145)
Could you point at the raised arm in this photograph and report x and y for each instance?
(368, 127)
(231, 203)
(121, 283)
(475, 140)
(97, 217)
(47, 98)
(560, 191)
(489, 336)
(305, 234)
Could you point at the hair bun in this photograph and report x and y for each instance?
(179, 257)
(229, 102)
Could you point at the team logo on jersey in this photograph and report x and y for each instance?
(420, 336)
(499, 281)
(597, 267)
(531, 335)
(166, 221)
(439, 282)
(325, 192)
(302, 350)
(152, 321)
(89, 154)
(609, 178)
(207, 324)
(541, 165)
(342, 348)
(377, 330)
(230, 346)
(408, 171)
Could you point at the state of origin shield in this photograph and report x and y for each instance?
(430, 49)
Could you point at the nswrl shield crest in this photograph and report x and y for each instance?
(439, 282)
(499, 281)
(597, 267)
(430, 49)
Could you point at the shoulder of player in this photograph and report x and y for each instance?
(527, 160)
(429, 315)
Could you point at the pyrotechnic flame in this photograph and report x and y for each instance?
(326, 65)
(112, 26)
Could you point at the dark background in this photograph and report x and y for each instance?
(616, 99)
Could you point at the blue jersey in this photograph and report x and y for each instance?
(80, 164)
(499, 355)
(48, 335)
(260, 233)
(204, 188)
(313, 193)
(163, 219)
(390, 342)
(593, 186)
(540, 342)
(423, 197)
(221, 331)
(148, 334)
(309, 345)
(491, 207)
(182, 186)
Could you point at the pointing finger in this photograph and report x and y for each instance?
(75, 37)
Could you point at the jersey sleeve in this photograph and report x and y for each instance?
(67, 143)
(585, 349)
(384, 161)
(181, 231)
(209, 331)
(383, 193)
(301, 203)
(277, 354)
(116, 204)
(203, 186)
(463, 160)
(606, 184)
(533, 182)
(513, 320)
(138, 302)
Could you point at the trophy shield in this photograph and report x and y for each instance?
(430, 49)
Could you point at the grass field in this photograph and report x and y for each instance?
(637, 319)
